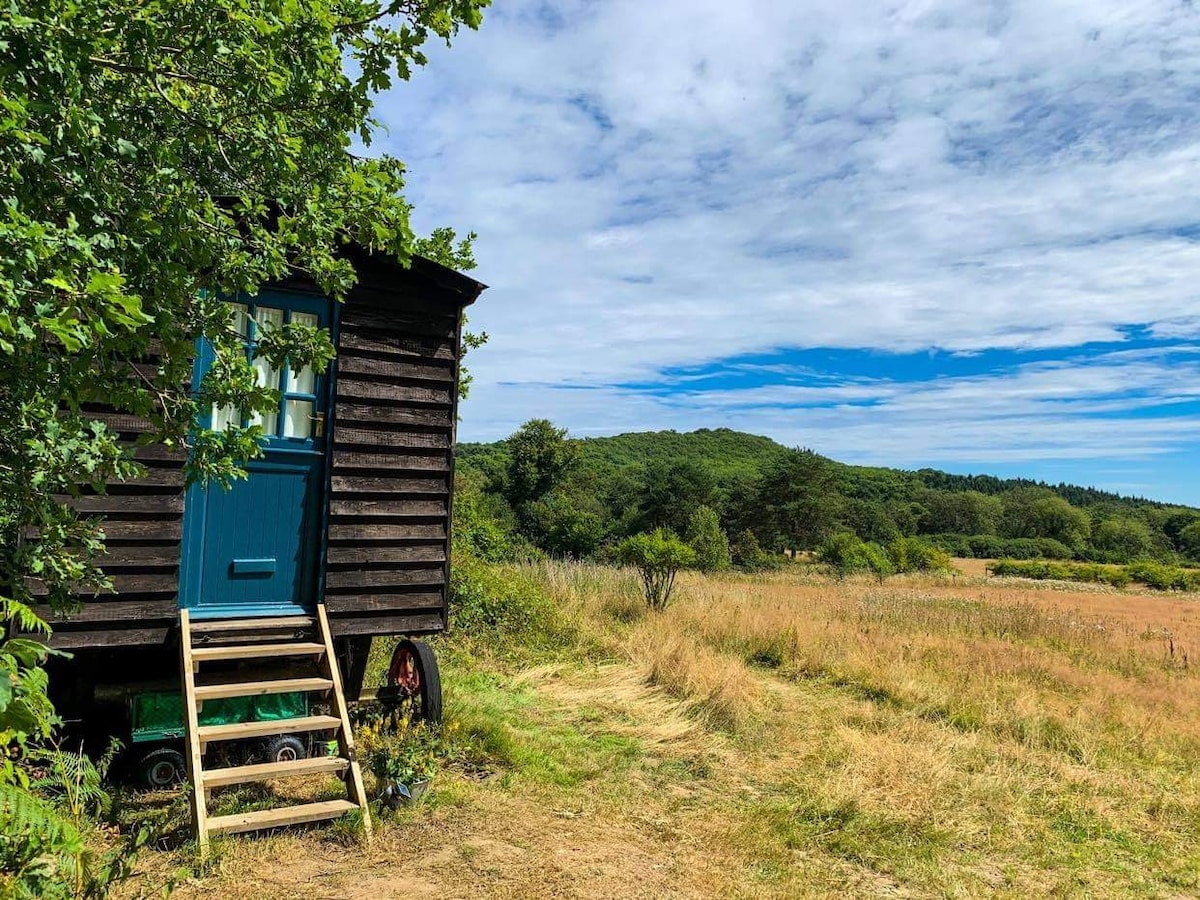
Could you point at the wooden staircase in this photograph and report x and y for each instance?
(265, 640)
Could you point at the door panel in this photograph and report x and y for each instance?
(255, 548)
(258, 548)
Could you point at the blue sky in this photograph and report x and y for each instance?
(949, 233)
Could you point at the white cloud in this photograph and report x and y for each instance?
(669, 183)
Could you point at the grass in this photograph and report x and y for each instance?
(784, 735)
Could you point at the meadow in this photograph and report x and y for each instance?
(783, 735)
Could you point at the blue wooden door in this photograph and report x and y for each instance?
(255, 549)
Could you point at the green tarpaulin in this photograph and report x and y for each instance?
(158, 715)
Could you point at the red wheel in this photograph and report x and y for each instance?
(414, 678)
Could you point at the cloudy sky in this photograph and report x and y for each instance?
(950, 233)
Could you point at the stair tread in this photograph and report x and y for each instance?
(315, 765)
(284, 815)
(257, 651)
(261, 623)
(260, 688)
(239, 730)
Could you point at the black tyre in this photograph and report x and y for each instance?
(162, 768)
(418, 684)
(285, 748)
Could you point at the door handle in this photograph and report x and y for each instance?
(318, 425)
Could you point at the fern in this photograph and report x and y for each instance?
(41, 852)
(74, 780)
(22, 616)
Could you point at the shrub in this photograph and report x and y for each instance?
(1165, 578)
(915, 555)
(989, 546)
(749, 556)
(658, 557)
(846, 554)
(709, 542)
(502, 602)
(1091, 573)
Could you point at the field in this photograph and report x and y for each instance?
(786, 735)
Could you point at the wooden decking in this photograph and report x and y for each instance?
(312, 639)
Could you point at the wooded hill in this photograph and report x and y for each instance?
(573, 497)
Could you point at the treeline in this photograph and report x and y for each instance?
(541, 491)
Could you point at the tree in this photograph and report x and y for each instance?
(959, 512)
(1039, 513)
(705, 537)
(869, 519)
(671, 492)
(658, 557)
(159, 158)
(798, 500)
(1189, 540)
(1123, 539)
(1172, 523)
(540, 455)
(566, 524)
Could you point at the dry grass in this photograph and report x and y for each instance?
(789, 736)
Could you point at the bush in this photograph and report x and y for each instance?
(748, 555)
(846, 554)
(1165, 578)
(502, 604)
(658, 557)
(915, 555)
(1090, 573)
(708, 541)
(484, 525)
(989, 546)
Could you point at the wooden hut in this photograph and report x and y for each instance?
(340, 532)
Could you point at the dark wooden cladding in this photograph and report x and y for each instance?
(149, 529)
(367, 555)
(384, 342)
(402, 508)
(125, 634)
(126, 583)
(142, 520)
(385, 531)
(126, 504)
(361, 413)
(408, 440)
(376, 603)
(426, 623)
(107, 610)
(394, 391)
(391, 367)
(353, 484)
(381, 461)
(360, 577)
(393, 433)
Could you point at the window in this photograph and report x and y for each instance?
(298, 388)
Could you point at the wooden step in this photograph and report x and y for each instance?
(317, 765)
(263, 623)
(276, 818)
(261, 688)
(256, 651)
(239, 730)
